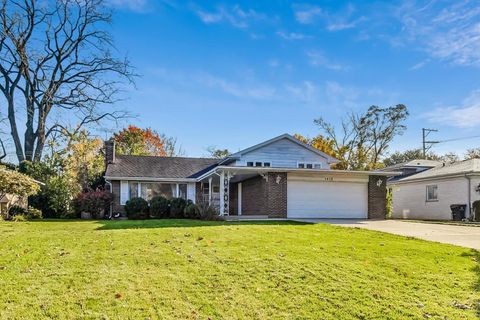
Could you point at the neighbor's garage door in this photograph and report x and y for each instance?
(321, 199)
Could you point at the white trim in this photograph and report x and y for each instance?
(149, 179)
(124, 192)
(239, 196)
(310, 171)
(210, 191)
(222, 192)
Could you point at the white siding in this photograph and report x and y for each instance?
(409, 200)
(282, 153)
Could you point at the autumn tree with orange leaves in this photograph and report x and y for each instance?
(148, 142)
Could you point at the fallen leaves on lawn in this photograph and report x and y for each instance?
(118, 295)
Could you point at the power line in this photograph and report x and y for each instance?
(461, 138)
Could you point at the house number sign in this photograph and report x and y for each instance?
(328, 178)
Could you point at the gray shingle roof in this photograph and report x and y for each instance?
(413, 164)
(460, 167)
(158, 167)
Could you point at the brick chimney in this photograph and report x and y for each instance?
(109, 151)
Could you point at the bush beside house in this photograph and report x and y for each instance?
(92, 204)
(137, 208)
(159, 207)
(176, 208)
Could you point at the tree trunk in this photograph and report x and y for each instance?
(14, 130)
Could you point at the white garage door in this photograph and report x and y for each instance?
(320, 199)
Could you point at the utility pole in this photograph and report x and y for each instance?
(427, 145)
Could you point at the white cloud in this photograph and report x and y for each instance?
(467, 115)
(420, 65)
(292, 35)
(250, 91)
(133, 5)
(307, 14)
(450, 33)
(318, 59)
(342, 20)
(305, 92)
(235, 16)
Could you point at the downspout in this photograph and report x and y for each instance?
(111, 191)
(469, 196)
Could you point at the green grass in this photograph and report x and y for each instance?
(198, 270)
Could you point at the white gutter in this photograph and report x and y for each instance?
(469, 196)
(299, 170)
(152, 179)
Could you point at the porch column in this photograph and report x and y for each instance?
(224, 194)
(210, 190)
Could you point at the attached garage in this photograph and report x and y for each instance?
(327, 197)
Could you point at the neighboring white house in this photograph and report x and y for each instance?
(429, 194)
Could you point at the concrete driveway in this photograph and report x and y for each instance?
(464, 236)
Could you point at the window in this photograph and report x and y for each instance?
(182, 191)
(133, 189)
(258, 164)
(432, 193)
(152, 189)
(309, 165)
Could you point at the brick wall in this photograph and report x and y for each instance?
(276, 190)
(265, 196)
(253, 196)
(377, 197)
(109, 151)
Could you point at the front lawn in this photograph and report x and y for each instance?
(183, 269)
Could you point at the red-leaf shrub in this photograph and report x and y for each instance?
(93, 202)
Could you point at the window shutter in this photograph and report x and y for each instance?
(123, 192)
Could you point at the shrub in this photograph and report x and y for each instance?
(137, 208)
(19, 218)
(177, 207)
(476, 210)
(93, 202)
(17, 211)
(33, 213)
(208, 212)
(159, 207)
(192, 211)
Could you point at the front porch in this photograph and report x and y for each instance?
(246, 193)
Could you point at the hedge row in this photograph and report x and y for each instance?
(160, 207)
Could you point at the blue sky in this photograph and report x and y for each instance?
(231, 74)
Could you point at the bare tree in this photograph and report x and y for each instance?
(365, 138)
(56, 60)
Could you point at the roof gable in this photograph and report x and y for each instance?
(292, 139)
